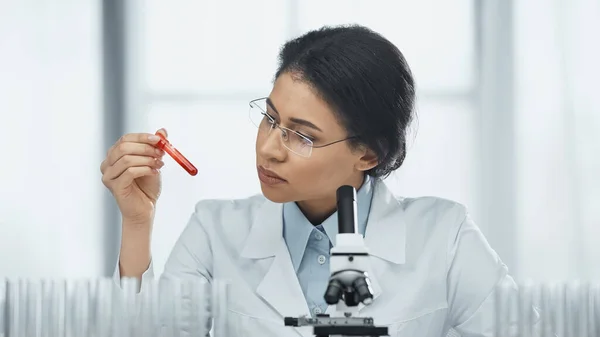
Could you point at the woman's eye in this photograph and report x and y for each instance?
(312, 139)
(272, 118)
(268, 117)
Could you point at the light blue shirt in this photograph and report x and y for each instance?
(309, 245)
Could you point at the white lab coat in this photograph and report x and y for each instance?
(431, 268)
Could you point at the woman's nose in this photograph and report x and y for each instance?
(271, 147)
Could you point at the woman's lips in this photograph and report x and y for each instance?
(269, 177)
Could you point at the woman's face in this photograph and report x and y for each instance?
(294, 105)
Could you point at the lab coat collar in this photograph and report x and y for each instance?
(385, 235)
(266, 232)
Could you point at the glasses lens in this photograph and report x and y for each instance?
(258, 110)
(298, 144)
(293, 141)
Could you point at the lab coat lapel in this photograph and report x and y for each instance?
(279, 287)
(385, 236)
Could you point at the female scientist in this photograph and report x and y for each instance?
(337, 115)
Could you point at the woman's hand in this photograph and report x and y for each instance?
(131, 172)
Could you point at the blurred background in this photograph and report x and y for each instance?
(508, 117)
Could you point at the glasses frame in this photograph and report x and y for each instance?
(283, 129)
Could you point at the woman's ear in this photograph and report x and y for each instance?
(367, 161)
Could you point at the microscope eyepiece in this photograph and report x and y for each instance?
(346, 208)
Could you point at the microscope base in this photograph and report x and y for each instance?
(349, 330)
(325, 326)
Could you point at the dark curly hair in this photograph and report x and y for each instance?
(365, 79)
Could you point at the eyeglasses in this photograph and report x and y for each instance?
(291, 140)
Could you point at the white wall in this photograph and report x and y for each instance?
(50, 189)
(558, 137)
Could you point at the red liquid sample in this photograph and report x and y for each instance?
(164, 145)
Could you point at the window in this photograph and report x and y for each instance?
(50, 107)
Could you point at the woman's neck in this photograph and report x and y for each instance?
(318, 210)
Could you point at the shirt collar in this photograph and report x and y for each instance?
(297, 229)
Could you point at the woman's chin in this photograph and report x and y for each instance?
(275, 195)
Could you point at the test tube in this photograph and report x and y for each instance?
(166, 146)
(126, 307)
(103, 315)
(149, 311)
(219, 301)
(3, 308)
(177, 304)
(576, 310)
(201, 315)
(594, 310)
(503, 312)
(527, 312)
(165, 304)
(81, 307)
(22, 307)
(32, 306)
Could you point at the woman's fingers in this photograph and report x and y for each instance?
(129, 148)
(141, 144)
(130, 174)
(128, 161)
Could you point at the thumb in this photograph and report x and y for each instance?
(163, 131)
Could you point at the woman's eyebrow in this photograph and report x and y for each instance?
(270, 104)
(294, 120)
(304, 122)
